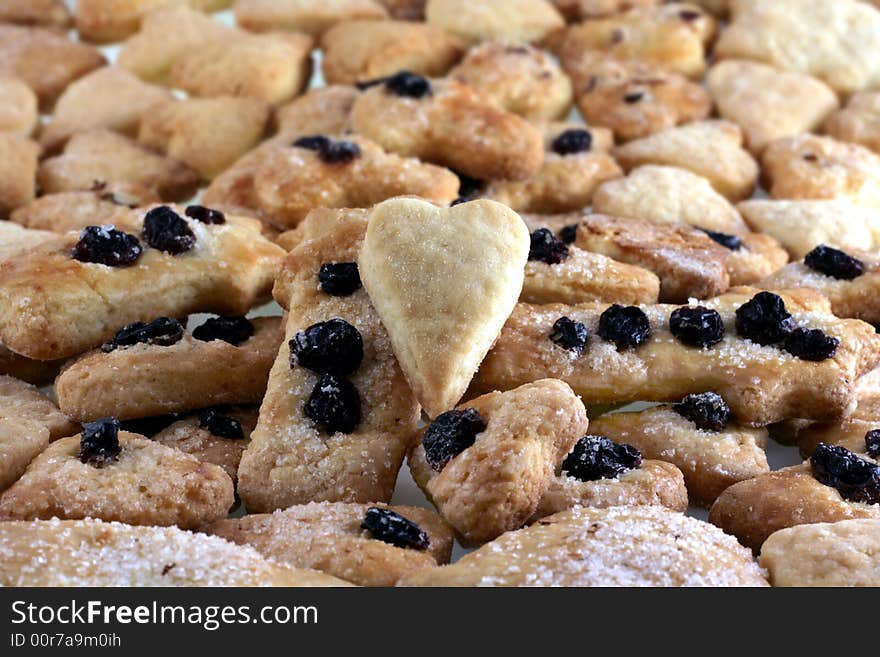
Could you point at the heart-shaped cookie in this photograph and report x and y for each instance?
(444, 281)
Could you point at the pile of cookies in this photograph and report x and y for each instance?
(469, 284)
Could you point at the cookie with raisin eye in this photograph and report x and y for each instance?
(366, 544)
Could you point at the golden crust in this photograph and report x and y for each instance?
(327, 537)
(18, 168)
(467, 264)
(496, 484)
(760, 384)
(52, 14)
(105, 21)
(149, 484)
(310, 16)
(516, 20)
(96, 553)
(20, 442)
(616, 546)
(859, 121)
(16, 239)
(320, 111)
(18, 106)
(22, 402)
(145, 380)
(453, 127)
(54, 306)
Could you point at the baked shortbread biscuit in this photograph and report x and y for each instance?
(831, 39)
(104, 21)
(320, 111)
(754, 509)
(761, 384)
(340, 171)
(671, 35)
(16, 239)
(711, 149)
(54, 305)
(688, 262)
(446, 122)
(45, 60)
(576, 162)
(802, 225)
(313, 427)
(359, 50)
(768, 103)
(332, 538)
(23, 402)
(18, 106)
(214, 435)
(206, 134)
(515, 20)
(109, 98)
(487, 464)
(665, 194)
(96, 553)
(617, 546)
(578, 10)
(310, 16)
(51, 14)
(143, 483)
(711, 458)
(845, 553)
(859, 121)
(18, 169)
(517, 77)
(101, 156)
(466, 263)
(20, 442)
(813, 167)
(269, 67)
(152, 377)
(632, 97)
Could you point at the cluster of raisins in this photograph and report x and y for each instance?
(696, 326)
(855, 478)
(233, 329)
(339, 279)
(218, 424)
(765, 321)
(834, 263)
(99, 442)
(450, 434)
(390, 527)
(598, 457)
(545, 247)
(570, 335)
(626, 326)
(707, 410)
(330, 152)
(162, 332)
(575, 140)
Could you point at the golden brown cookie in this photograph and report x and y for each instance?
(359, 50)
(54, 305)
(487, 464)
(18, 168)
(18, 106)
(515, 20)
(617, 546)
(127, 478)
(330, 537)
(711, 149)
(662, 368)
(859, 121)
(320, 111)
(446, 122)
(153, 377)
(101, 156)
(768, 103)
(466, 263)
(710, 457)
(16, 239)
(305, 443)
(23, 402)
(206, 134)
(45, 60)
(52, 14)
(518, 78)
(310, 16)
(109, 98)
(103, 21)
(405, 10)
(96, 553)
(845, 553)
(20, 442)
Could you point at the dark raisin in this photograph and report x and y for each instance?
(332, 346)
(763, 319)
(811, 344)
(450, 434)
(99, 443)
(834, 263)
(233, 329)
(408, 85)
(340, 152)
(205, 215)
(597, 457)
(167, 231)
(334, 404)
(872, 443)
(634, 97)
(104, 245)
(313, 142)
(547, 248)
(339, 279)
(162, 332)
(732, 242)
(855, 478)
(697, 326)
(570, 335)
(572, 141)
(625, 326)
(688, 15)
(149, 426)
(220, 425)
(707, 410)
(568, 234)
(363, 85)
(468, 188)
(390, 527)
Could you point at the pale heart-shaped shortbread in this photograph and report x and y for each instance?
(444, 281)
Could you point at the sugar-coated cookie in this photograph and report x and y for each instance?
(516, 20)
(320, 111)
(16, 239)
(18, 106)
(310, 16)
(103, 21)
(18, 168)
(859, 121)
